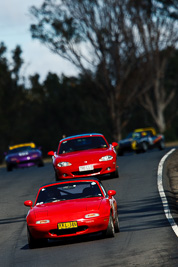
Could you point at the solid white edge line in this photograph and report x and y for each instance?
(162, 193)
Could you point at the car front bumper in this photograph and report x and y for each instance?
(23, 163)
(85, 226)
(100, 168)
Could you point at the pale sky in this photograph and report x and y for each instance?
(14, 30)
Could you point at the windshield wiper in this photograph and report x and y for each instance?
(90, 196)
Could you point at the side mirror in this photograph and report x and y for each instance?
(111, 193)
(28, 203)
(114, 144)
(51, 153)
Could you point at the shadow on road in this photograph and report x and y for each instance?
(142, 214)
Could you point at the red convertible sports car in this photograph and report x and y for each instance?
(83, 156)
(69, 208)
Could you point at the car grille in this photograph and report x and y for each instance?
(27, 161)
(68, 231)
(87, 172)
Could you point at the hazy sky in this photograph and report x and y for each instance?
(14, 30)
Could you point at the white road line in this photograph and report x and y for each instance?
(162, 193)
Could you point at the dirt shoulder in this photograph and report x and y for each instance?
(172, 168)
(170, 183)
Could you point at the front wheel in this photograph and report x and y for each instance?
(34, 243)
(31, 241)
(56, 176)
(161, 145)
(144, 146)
(41, 164)
(120, 153)
(116, 224)
(9, 168)
(110, 232)
(115, 174)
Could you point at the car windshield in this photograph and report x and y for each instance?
(83, 143)
(20, 149)
(68, 191)
(133, 135)
(136, 135)
(149, 133)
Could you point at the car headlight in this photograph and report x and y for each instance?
(64, 164)
(42, 221)
(106, 158)
(91, 215)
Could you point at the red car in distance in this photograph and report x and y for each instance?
(83, 156)
(71, 208)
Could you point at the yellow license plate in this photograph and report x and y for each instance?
(67, 225)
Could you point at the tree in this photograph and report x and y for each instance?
(111, 42)
(5, 82)
(17, 62)
(97, 37)
(12, 99)
(171, 82)
(156, 27)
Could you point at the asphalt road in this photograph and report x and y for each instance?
(145, 238)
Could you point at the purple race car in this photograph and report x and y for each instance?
(23, 155)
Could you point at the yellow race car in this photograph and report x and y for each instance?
(140, 140)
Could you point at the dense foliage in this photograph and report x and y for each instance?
(44, 111)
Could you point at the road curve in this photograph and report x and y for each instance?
(146, 237)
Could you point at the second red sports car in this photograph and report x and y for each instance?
(83, 156)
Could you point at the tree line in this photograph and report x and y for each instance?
(128, 77)
(44, 111)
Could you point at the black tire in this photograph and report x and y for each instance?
(31, 241)
(161, 145)
(110, 232)
(120, 153)
(144, 147)
(41, 164)
(56, 177)
(9, 168)
(116, 224)
(115, 174)
(35, 243)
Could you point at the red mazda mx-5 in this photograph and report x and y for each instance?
(71, 207)
(83, 156)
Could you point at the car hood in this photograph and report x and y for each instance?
(68, 208)
(93, 154)
(127, 140)
(23, 153)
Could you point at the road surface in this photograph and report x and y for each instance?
(145, 238)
